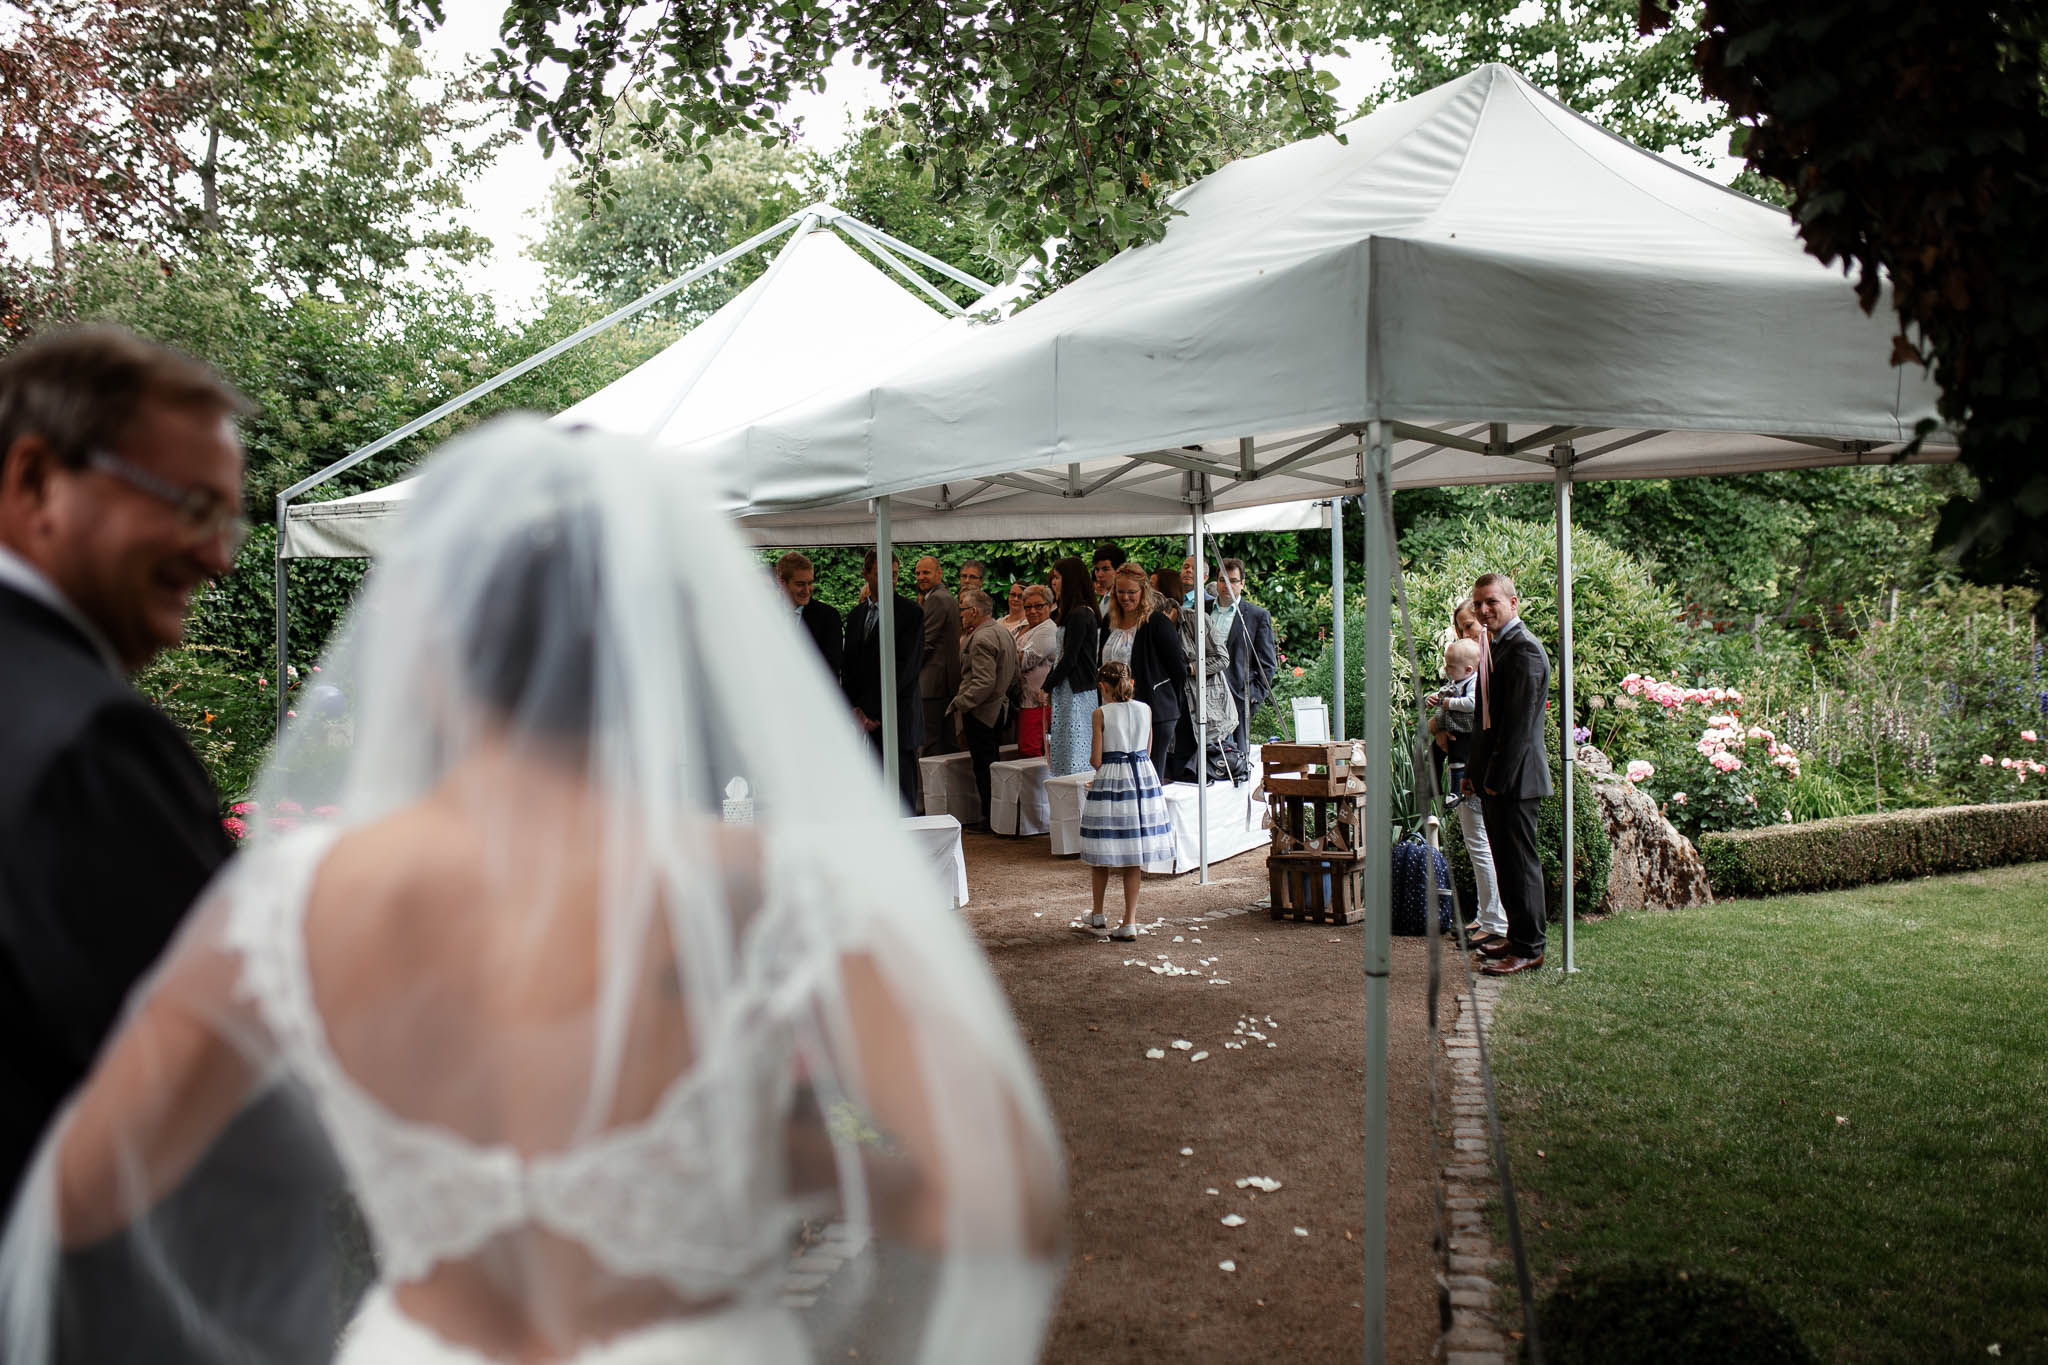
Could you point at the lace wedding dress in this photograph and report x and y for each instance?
(498, 1044)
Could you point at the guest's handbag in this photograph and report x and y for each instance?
(1414, 862)
(1031, 731)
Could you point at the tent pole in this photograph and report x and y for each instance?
(1201, 731)
(1378, 890)
(284, 620)
(885, 607)
(1337, 617)
(1562, 457)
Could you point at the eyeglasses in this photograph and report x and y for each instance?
(1036, 606)
(202, 513)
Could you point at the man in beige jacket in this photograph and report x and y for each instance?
(989, 688)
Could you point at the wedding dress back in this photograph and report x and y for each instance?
(577, 946)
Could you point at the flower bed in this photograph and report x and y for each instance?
(1823, 854)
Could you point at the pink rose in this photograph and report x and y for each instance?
(2027, 735)
(251, 808)
(235, 825)
(1985, 760)
(1678, 798)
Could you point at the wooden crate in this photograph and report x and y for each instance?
(1316, 890)
(1333, 769)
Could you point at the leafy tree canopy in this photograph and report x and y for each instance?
(1912, 136)
(1068, 121)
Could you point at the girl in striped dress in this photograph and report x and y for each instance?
(1125, 823)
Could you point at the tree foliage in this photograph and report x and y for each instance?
(1912, 136)
(1588, 53)
(1069, 121)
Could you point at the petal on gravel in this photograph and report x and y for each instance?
(1226, 1267)
(1182, 1044)
(1189, 1151)
(1153, 1054)
(1232, 1220)
(1266, 1184)
(1198, 1056)
(1303, 1232)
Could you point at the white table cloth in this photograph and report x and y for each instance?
(1064, 797)
(1016, 788)
(948, 784)
(939, 837)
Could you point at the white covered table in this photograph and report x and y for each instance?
(947, 781)
(938, 836)
(1016, 788)
(1237, 824)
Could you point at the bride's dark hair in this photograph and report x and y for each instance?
(531, 651)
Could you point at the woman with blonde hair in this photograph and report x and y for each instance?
(1146, 642)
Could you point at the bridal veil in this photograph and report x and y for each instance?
(576, 974)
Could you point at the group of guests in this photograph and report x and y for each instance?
(974, 675)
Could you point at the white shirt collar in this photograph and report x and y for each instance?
(1509, 629)
(22, 576)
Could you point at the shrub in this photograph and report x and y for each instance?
(1706, 766)
(214, 696)
(1667, 1315)
(1857, 849)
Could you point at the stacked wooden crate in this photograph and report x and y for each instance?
(1316, 793)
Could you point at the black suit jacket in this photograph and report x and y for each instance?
(861, 674)
(109, 828)
(1159, 666)
(1254, 655)
(1508, 759)
(823, 624)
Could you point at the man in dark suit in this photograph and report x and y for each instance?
(1509, 770)
(120, 494)
(861, 676)
(940, 679)
(1254, 653)
(797, 576)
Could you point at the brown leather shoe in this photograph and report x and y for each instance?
(1508, 966)
(1497, 947)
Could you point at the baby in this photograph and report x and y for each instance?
(1453, 709)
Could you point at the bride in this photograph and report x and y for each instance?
(593, 1033)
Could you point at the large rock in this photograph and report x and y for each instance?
(1655, 867)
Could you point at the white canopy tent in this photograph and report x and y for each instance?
(1477, 286)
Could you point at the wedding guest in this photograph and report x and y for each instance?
(1038, 648)
(1109, 557)
(984, 699)
(1167, 594)
(1457, 715)
(1254, 650)
(1147, 643)
(1218, 708)
(939, 678)
(1509, 771)
(861, 675)
(798, 577)
(1070, 684)
(1015, 622)
(1124, 824)
(973, 574)
(120, 496)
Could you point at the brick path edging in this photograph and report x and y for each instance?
(1475, 1337)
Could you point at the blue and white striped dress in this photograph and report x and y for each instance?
(1125, 823)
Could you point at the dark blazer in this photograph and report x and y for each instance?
(109, 828)
(1080, 651)
(823, 624)
(1254, 655)
(860, 675)
(940, 623)
(1159, 666)
(1508, 759)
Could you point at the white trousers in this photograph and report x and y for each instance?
(1491, 916)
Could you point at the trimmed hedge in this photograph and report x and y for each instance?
(1823, 855)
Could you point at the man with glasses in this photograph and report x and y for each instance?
(120, 496)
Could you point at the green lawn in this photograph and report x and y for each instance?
(1842, 1099)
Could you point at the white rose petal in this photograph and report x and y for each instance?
(1266, 1184)
(1212, 1190)
(1301, 1232)
(1226, 1266)
(1198, 1056)
(1232, 1220)
(1187, 1151)
(1182, 1044)
(1153, 1054)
